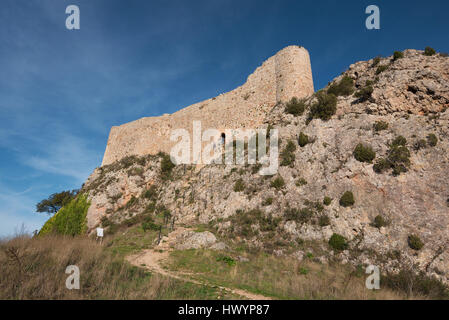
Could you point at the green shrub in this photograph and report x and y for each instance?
(288, 155)
(376, 61)
(381, 165)
(303, 271)
(429, 51)
(380, 125)
(228, 260)
(151, 193)
(411, 283)
(303, 139)
(135, 171)
(398, 159)
(239, 185)
(344, 88)
(327, 201)
(131, 202)
(420, 144)
(324, 220)
(324, 108)
(69, 220)
(267, 202)
(347, 199)
(148, 224)
(364, 153)
(295, 107)
(432, 140)
(399, 141)
(301, 182)
(338, 242)
(379, 222)
(301, 216)
(398, 55)
(381, 69)
(364, 94)
(278, 183)
(166, 165)
(415, 242)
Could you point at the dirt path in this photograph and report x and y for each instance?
(153, 260)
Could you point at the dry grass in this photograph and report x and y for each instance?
(282, 277)
(35, 269)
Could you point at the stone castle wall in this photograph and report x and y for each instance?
(287, 74)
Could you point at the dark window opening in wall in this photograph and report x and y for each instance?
(223, 138)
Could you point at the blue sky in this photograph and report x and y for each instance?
(61, 90)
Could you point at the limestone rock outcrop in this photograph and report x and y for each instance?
(410, 97)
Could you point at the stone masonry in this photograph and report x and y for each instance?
(285, 75)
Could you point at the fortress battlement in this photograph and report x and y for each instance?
(285, 75)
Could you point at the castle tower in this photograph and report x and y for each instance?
(287, 74)
(293, 73)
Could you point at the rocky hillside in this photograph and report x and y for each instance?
(363, 178)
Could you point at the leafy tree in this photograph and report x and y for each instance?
(56, 201)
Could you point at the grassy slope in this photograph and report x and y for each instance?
(35, 269)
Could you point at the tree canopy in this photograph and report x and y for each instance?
(56, 201)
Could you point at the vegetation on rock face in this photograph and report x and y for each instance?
(295, 107)
(327, 201)
(364, 94)
(148, 224)
(325, 108)
(338, 242)
(239, 185)
(398, 158)
(398, 55)
(166, 165)
(300, 216)
(324, 221)
(376, 61)
(303, 139)
(278, 183)
(347, 199)
(379, 222)
(429, 51)
(364, 153)
(381, 69)
(420, 144)
(343, 88)
(380, 125)
(288, 154)
(69, 220)
(415, 242)
(432, 140)
(301, 182)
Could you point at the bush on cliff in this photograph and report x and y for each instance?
(324, 108)
(347, 199)
(70, 219)
(364, 94)
(429, 51)
(398, 55)
(415, 242)
(343, 88)
(295, 107)
(338, 242)
(303, 139)
(364, 153)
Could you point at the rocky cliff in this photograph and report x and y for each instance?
(373, 170)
